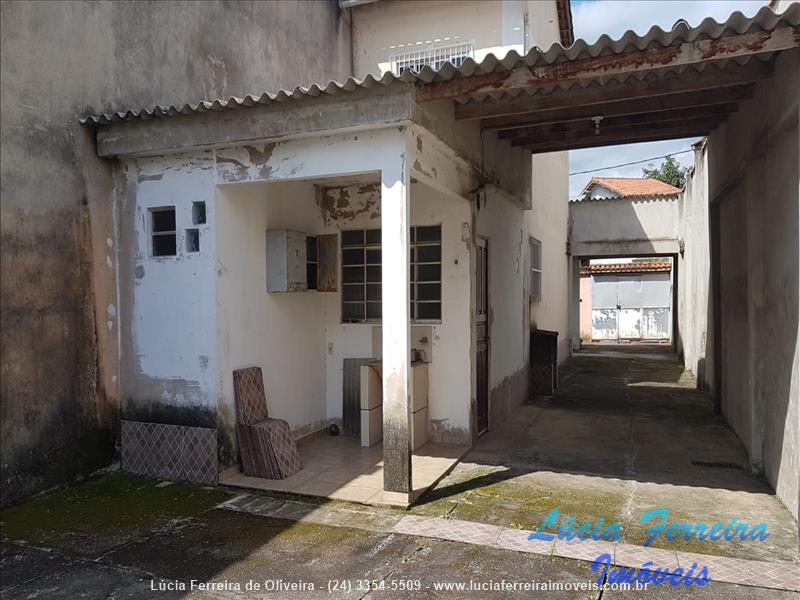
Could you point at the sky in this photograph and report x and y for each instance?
(592, 18)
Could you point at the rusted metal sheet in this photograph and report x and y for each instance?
(631, 60)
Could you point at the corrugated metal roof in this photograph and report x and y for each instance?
(764, 20)
(638, 267)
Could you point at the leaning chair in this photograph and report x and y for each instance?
(267, 446)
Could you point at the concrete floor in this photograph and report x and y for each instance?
(622, 435)
(120, 536)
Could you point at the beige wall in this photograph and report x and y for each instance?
(390, 27)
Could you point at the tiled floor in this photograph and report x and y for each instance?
(340, 469)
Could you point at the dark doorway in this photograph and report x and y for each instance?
(482, 332)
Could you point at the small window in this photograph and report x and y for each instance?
(164, 233)
(192, 240)
(361, 274)
(198, 213)
(536, 270)
(312, 263)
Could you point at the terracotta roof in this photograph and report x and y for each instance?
(630, 42)
(638, 267)
(635, 187)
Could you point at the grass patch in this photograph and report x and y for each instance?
(107, 506)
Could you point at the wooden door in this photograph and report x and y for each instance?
(482, 333)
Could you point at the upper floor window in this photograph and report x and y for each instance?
(362, 277)
(434, 57)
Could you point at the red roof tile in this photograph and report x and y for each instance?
(637, 267)
(635, 187)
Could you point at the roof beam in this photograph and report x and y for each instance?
(609, 123)
(635, 61)
(674, 83)
(669, 102)
(632, 135)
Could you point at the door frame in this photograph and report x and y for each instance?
(480, 429)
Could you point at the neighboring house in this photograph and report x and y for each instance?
(629, 301)
(624, 216)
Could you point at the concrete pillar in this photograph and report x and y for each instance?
(395, 215)
(574, 300)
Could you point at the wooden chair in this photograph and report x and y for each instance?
(267, 445)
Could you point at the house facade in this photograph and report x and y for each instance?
(370, 227)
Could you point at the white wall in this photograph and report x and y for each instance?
(548, 222)
(694, 274)
(502, 221)
(284, 334)
(620, 227)
(392, 27)
(167, 306)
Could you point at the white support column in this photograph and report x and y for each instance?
(395, 217)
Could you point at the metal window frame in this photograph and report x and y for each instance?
(413, 280)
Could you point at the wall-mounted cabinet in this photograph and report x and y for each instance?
(297, 262)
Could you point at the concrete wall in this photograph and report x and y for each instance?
(753, 164)
(392, 27)
(622, 227)
(695, 333)
(60, 59)
(547, 221)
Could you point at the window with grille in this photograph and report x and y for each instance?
(435, 58)
(536, 270)
(163, 231)
(361, 274)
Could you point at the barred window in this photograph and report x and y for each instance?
(361, 274)
(434, 57)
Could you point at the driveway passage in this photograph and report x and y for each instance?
(626, 433)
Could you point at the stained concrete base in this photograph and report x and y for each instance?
(622, 435)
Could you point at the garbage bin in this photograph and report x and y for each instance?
(543, 362)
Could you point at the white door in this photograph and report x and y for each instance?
(629, 303)
(604, 307)
(656, 301)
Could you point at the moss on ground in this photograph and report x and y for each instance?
(112, 505)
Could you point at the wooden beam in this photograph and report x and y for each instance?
(631, 135)
(725, 95)
(674, 83)
(607, 124)
(649, 137)
(634, 61)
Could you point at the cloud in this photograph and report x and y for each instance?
(592, 18)
(595, 158)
